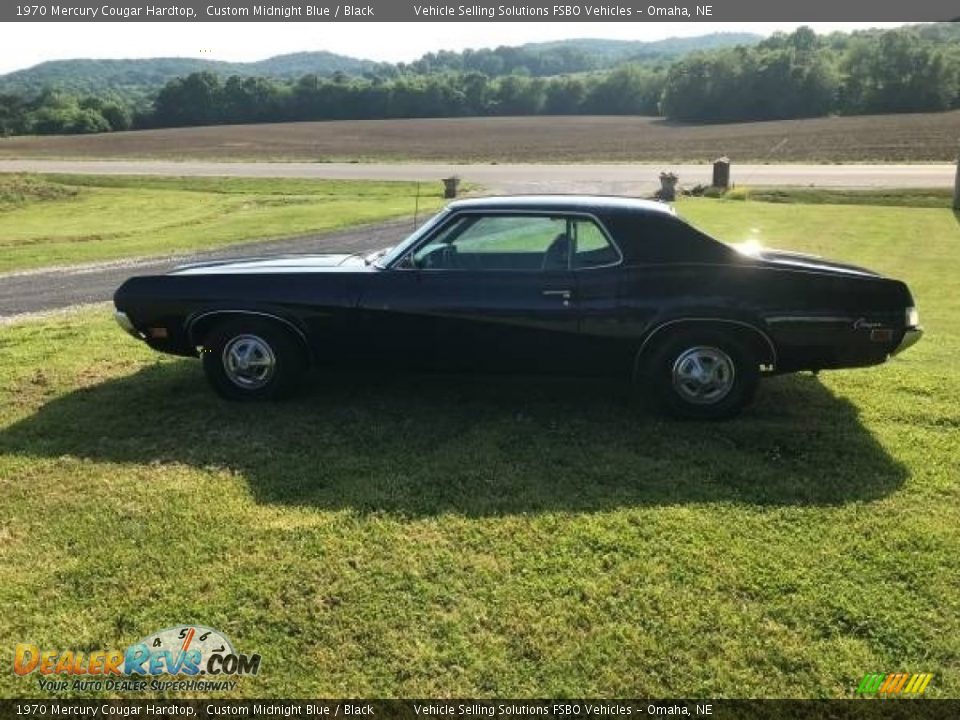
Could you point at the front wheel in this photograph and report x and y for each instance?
(702, 375)
(250, 359)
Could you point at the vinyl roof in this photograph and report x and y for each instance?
(582, 203)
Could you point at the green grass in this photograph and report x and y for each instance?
(68, 219)
(418, 536)
(17, 191)
(889, 197)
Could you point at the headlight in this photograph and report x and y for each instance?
(913, 317)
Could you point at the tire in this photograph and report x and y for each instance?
(701, 375)
(250, 359)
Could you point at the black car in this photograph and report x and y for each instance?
(554, 284)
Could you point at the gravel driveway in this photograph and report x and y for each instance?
(38, 290)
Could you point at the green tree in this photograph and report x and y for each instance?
(193, 100)
(117, 116)
(519, 95)
(565, 96)
(13, 108)
(898, 72)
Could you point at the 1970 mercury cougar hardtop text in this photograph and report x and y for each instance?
(559, 284)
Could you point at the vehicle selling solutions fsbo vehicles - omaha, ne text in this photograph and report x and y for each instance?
(558, 284)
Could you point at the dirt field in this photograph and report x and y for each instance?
(931, 137)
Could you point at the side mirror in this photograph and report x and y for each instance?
(407, 263)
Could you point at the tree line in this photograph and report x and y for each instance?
(792, 75)
(803, 75)
(50, 113)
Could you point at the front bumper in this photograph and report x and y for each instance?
(910, 338)
(124, 322)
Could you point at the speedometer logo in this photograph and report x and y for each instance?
(188, 650)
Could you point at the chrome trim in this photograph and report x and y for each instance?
(455, 214)
(124, 322)
(911, 337)
(912, 316)
(668, 323)
(428, 227)
(703, 375)
(565, 295)
(194, 319)
(808, 318)
(249, 362)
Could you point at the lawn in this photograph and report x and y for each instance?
(69, 219)
(419, 536)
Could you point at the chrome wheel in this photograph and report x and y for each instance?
(249, 362)
(703, 375)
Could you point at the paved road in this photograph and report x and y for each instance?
(35, 291)
(612, 179)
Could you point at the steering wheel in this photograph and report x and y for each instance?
(448, 258)
(441, 257)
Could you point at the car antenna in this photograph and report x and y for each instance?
(416, 206)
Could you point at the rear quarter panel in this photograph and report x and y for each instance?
(815, 319)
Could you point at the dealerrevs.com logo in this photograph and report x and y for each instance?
(200, 658)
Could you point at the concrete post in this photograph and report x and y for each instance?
(450, 187)
(721, 173)
(668, 186)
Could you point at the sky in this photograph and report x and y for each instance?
(26, 44)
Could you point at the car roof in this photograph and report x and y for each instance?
(577, 203)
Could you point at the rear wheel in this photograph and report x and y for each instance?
(701, 374)
(252, 359)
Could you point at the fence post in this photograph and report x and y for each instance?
(450, 187)
(668, 186)
(721, 173)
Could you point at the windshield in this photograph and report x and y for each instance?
(398, 251)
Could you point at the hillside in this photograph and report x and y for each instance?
(614, 51)
(543, 59)
(135, 79)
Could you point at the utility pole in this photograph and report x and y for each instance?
(956, 188)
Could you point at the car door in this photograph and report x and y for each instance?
(605, 347)
(493, 292)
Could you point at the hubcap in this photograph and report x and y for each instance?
(249, 361)
(703, 375)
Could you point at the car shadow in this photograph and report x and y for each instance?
(424, 445)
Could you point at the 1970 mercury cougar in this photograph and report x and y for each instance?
(553, 284)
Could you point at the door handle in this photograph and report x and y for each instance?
(565, 294)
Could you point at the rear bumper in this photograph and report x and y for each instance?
(910, 338)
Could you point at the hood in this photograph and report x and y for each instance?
(280, 264)
(789, 260)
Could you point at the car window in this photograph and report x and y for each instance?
(499, 242)
(592, 247)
